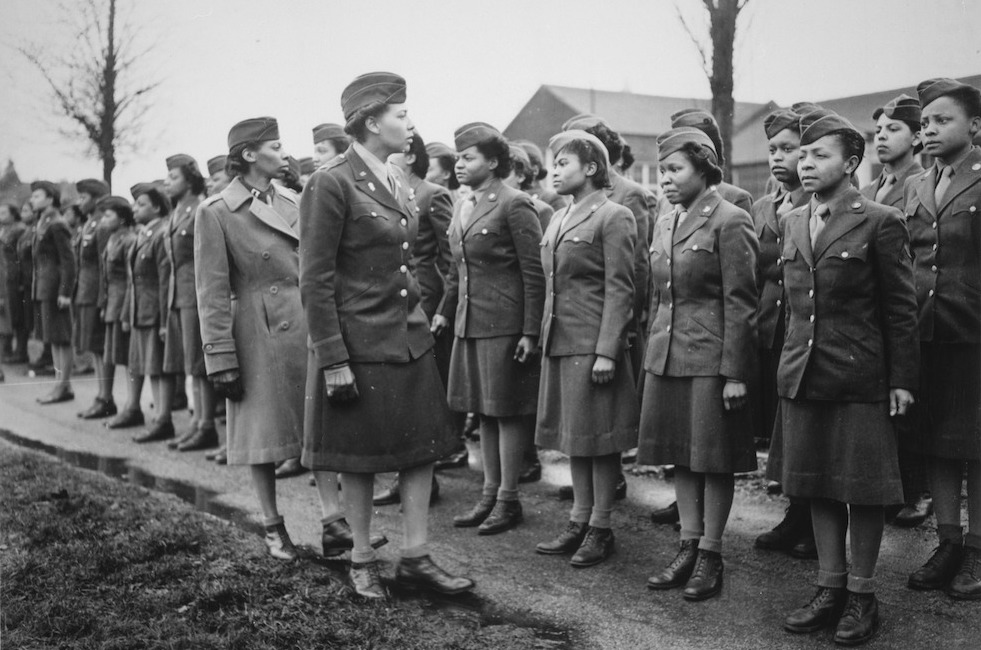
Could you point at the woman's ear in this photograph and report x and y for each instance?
(371, 125)
(249, 155)
(591, 169)
(851, 165)
(492, 163)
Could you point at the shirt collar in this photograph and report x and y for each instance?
(376, 166)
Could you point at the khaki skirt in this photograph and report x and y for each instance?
(486, 379)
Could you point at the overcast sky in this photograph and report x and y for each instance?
(221, 61)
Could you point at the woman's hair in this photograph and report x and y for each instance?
(969, 98)
(159, 200)
(914, 128)
(523, 173)
(610, 139)
(340, 144)
(125, 214)
(13, 210)
(447, 162)
(192, 175)
(497, 148)
(627, 157)
(355, 126)
(852, 143)
(420, 165)
(75, 211)
(704, 165)
(587, 153)
(235, 163)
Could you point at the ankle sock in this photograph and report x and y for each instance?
(272, 521)
(489, 491)
(858, 585)
(414, 552)
(329, 519)
(691, 534)
(507, 495)
(832, 580)
(706, 544)
(600, 518)
(363, 557)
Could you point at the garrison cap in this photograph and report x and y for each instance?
(817, 124)
(903, 108)
(179, 160)
(437, 149)
(474, 133)
(217, 164)
(307, 166)
(584, 121)
(534, 153)
(255, 129)
(386, 87)
(933, 89)
(803, 108)
(93, 187)
(704, 122)
(562, 139)
(328, 131)
(140, 188)
(780, 120)
(114, 203)
(50, 188)
(519, 154)
(674, 139)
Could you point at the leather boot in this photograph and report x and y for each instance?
(596, 547)
(706, 578)
(279, 543)
(915, 513)
(805, 548)
(366, 581)
(184, 437)
(859, 621)
(940, 569)
(202, 439)
(532, 473)
(505, 516)
(788, 532)
(567, 541)
(100, 408)
(157, 432)
(126, 419)
(966, 585)
(667, 515)
(823, 611)
(679, 571)
(423, 572)
(476, 515)
(459, 458)
(336, 537)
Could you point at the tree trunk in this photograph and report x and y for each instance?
(723, 32)
(107, 141)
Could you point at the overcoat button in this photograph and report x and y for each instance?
(779, 283)
(706, 209)
(779, 261)
(405, 222)
(810, 342)
(934, 225)
(284, 326)
(668, 284)
(183, 232)
(265, 255)
(667, 329)
(778, 240)
(812, 318)
(931, 292)
(273, 289)
(973, 208)
(492, 197)
(934, 268)
(374, 214)
(403, 268)
(208, 347)
(575, 239)
(976, 167)
(810, 294)
(934, 247)
(779, 302)
(403, 293)
(405, 245)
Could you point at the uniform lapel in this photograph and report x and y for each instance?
(269, 216)
(925, 186)
(800, 232)
(698, 214)
(895, 195)
(847, 213)
(368, 183)
(486, 205)
(583, 211)
(965, 176)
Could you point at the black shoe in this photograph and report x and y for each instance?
(471, 426)
(668, 515)
(221, 457)
(126, 419)
(184, 437)
(621, 490)
(202, 439)
(279, 544)
(180, 400)
(629, 457)
(795, 525)
(505, 516)
(568, 540)
(100, 408)
(423, 572)
(388, 495)
(859, 621)
(940, 569)
(706, 578)
(805, 548)
(158, 432)
(915, 513)
(57, 396)
(677, 573)
(824, 610)
(365, 579)
(42, 371)
(459, 458)
(596, 547)
(213, 455)
(565, 493)
(966, 585)
(532, 473)
(476, 515)
(289, 468)
(336, 537)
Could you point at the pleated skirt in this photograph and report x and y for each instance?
(486, 379)
(116, 346)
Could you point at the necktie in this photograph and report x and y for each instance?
(466, 210)
(887, 182)
(943, 182)
(681, 218)
(819, 219)
(392, 186)
(786, 205)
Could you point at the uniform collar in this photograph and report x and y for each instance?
(375, 166)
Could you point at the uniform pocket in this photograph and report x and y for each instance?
(850, 250)
(279, 310)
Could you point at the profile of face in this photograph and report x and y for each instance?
(268, 160)
(40, 200)
(893, 139)
(569, 174)
(175, 184)
(679, 179)
(6, 218)
(144, 211)
(324, 152)
(823, 166)
(27, 214)
(784, 151)
(72, 216)
(947, 129)
(514, 180)
(473, 168)
(393, 128)
(217, 182)
(437, 173)
(110, 222)
(85, 202)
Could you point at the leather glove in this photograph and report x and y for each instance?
(228, 385)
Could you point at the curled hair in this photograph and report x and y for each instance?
(587, 153)
(497, 148)
(340, 143)
(703, 163)
(627, 157)
(417, 148)
(852, 143)
(355, 126)
(13, 210)
(192, 175)
(610, 139)
(522, 172)
(159, 200)
(914, 128)
(447, 162)
(968, 98)
(235, 163)
(125, 214)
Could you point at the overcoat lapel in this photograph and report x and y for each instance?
(966, 176)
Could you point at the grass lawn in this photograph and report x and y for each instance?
(90, 562)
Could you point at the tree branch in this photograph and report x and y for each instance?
(702, 52)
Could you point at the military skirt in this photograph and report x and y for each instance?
(54, 324)
(684, 422)
(399, 420)
(145, 352)
(580, 418)
(485, 378)
(89, 332)
(116, 345)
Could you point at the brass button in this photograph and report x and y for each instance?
(265, 255)
(273, 289)
(810, 342)
(284, 326)
(403, 293)
(405, 245)
(812, 318)
(694, 247)
(404, 221)
(844, 254)
(374, 214)
(931, 292)
(484, 231)
(779, 261)
(779, 302)
(934, 268)
(403, 268)
(667, 329)
(810, 294)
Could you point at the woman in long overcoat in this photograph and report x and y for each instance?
(375, 402)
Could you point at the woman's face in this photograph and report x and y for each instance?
(324, 152)
(947, 128)
(40, 200)
(569, 175)
(110, 220)
(679, 179)
(823, 165)
(393, 128)
(27, 213)
(144, 211)
(784, 152)
(893, 139)
(437, 174)
(268, 159)
(5, 217)
(217, 182)
(175, 184)
(472, 168)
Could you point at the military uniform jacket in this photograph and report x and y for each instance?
(25, 258)
(589, 279)
(703, 311)
(851, 305)
(495, 286)
(149, 276)
(361, 300)
(946, 243)
(556, 201)
(89, 243)
(9, 257)
(894, 198)
(736, 196)
(431, 257)
(53, 260)
(545, 212)
(632, 196)
(115, 276)
(180, 252)
(769, 272)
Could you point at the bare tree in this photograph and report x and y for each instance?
(94, 83)
(717, 60)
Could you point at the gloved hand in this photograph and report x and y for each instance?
(228, 385)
